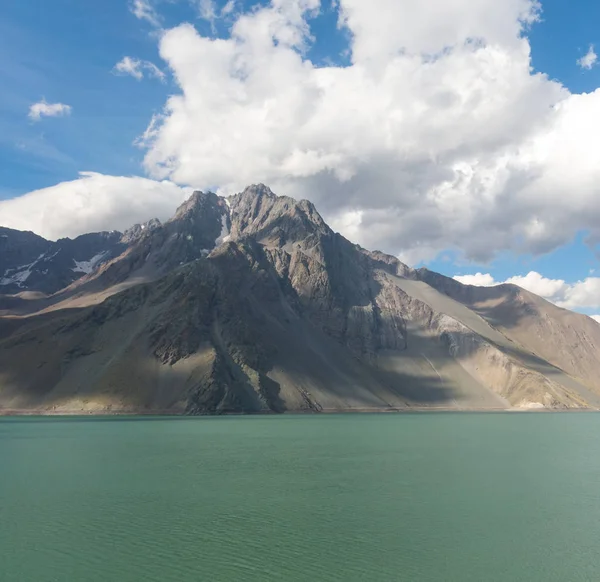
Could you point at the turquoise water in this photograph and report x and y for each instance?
(416, 497)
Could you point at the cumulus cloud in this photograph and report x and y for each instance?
(388, 28)
(478, 279)
(542, 286)
(144, 10)
(94, 202)
(439, 134)
(588, 60)
(44, 109)
(136, 67)
(584, 294)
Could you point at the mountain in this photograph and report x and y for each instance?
(253, 304)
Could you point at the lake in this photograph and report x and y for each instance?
(382, 497)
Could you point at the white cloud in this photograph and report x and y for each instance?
(439, 133)
(144, 10)
(348, 223)
(210, 11)
(589, 59)
(385, 28)
(44, 109)
(596, 317)
(207, 9)
(136, 67)
(92, 203)
(583, 294)
(228, 8)
(542, 286)
(478, 279)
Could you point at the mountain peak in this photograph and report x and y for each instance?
(198, 203)
(289, 316)
(258, 212)
(258, 190)
(136, 231)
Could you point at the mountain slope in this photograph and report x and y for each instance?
(255, 305)
(567, 340)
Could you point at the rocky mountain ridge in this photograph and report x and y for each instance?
(253, 304)
(29, 262)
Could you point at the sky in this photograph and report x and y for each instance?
(460, 135)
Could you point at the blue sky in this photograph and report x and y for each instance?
(64, 51)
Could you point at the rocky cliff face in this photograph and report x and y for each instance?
(253, 304)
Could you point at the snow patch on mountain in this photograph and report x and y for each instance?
(19, 275)
(88, 266)
(224, 236)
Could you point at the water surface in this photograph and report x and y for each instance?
(384, 497)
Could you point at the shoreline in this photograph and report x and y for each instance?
(171, 413)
